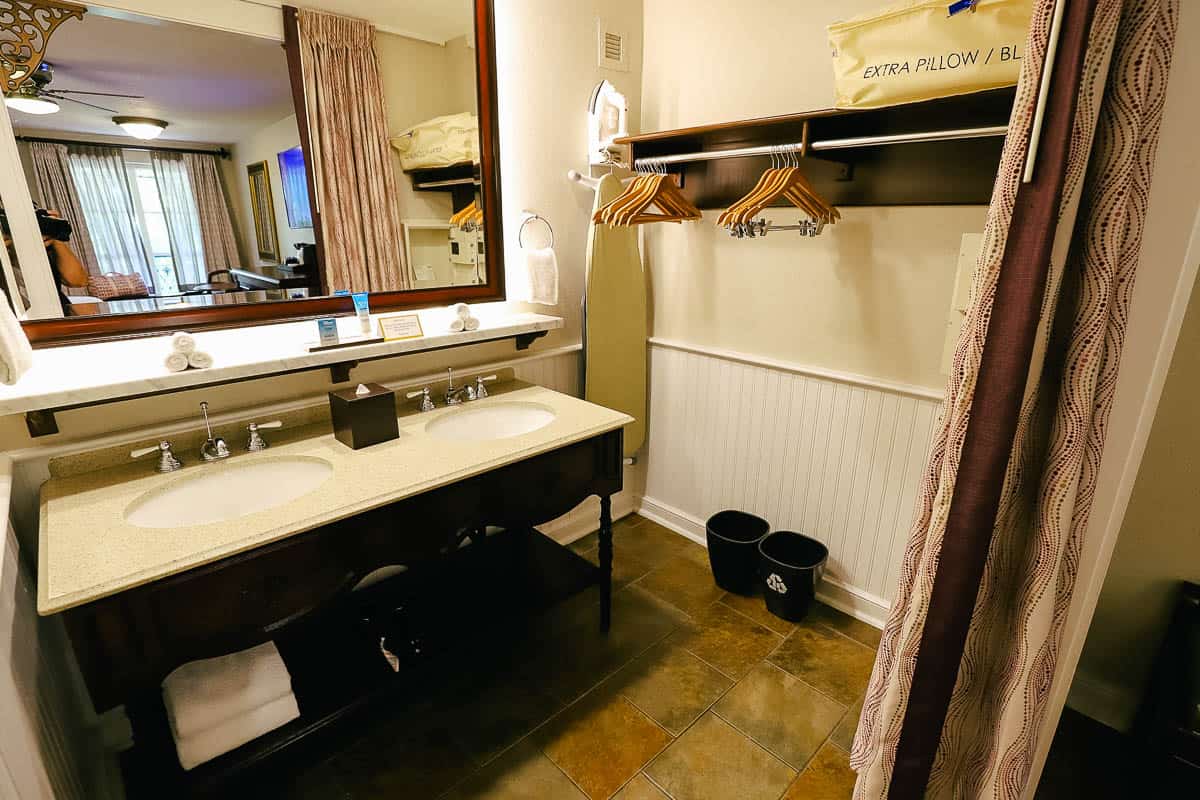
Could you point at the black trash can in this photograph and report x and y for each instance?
(733, 538)
(790, 566)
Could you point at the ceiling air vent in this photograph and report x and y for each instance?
(613, 47)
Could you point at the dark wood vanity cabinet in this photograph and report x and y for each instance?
(129, 642)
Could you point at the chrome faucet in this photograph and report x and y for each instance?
(167, 462)
(214, 448)
(481, 390)
(256, 442)
(455, 395)
(426, 400)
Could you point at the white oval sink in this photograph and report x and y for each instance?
(491, 421)
(220, 492)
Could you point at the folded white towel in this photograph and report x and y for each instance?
(183, 343)
(457, 325)
(199, 360)
(541, 271)
(204, 746)
(16, 355)
(202, 694)
(471, 324)
(461, 310)
(175, 362)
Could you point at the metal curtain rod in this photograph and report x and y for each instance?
(827, 144)
(222, 152)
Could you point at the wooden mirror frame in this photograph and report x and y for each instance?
(74, 330)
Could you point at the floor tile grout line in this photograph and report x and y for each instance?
(744, 615)
(530, 733)
(762, 746)
(826, 695)
(575, 702)
(657, 785)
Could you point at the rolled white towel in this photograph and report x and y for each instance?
(457, 325)
(471, 324)
(206, 745)
(199, 360)
(200, 695)
(175, 362)
(183, 343)
(461, 310)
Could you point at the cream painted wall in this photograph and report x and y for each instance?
(1159, 545)
(265, 145)
(870, 295)
(422, 81)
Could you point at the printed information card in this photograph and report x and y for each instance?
(401, 326)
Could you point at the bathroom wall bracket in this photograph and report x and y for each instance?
(526, 339)
(41, 422)
(340, 373)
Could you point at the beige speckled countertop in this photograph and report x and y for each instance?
(87, 550)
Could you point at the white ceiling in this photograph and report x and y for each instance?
(431, 20)
(210, 86)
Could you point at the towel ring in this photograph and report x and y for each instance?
(531, 218)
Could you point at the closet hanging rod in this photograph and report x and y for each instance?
(444, 184)
(826, 144)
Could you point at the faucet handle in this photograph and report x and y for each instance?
(480, 390)
(256, 442)
(167, 462)
(145, 451)
(426, 398)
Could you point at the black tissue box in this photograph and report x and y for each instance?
(361, 420)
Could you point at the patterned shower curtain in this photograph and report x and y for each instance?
(1018, 604)
(360, 220)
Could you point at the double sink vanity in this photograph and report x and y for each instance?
(151, 570)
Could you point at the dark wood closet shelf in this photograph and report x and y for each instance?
(458, 607)
(947, 172)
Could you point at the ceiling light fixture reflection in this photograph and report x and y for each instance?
(30, 104)
(141, 127)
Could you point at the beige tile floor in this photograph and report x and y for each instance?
(694, 695)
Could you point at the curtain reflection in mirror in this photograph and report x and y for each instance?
(348, 124)
(104, 196)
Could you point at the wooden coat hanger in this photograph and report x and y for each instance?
(787, 182)
(655, 189)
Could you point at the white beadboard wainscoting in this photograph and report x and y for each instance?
(835, 456)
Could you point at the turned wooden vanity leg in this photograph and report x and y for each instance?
(606, 557)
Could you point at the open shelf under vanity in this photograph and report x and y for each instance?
(483, 593)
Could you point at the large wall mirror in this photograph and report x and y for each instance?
(191, 177)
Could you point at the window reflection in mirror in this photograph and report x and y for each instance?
(215, 208)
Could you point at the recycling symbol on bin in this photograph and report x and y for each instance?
(776, 584)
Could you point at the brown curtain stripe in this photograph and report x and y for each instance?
(995, 407)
